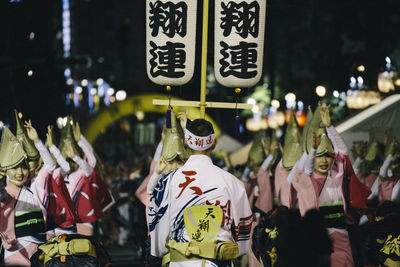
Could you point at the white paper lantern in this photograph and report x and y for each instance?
(239, 42)
(170, 41)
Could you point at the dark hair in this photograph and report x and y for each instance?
(387, 208)
(200, 127)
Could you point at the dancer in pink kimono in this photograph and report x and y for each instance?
(103, 198)
(31, 151)
(386, 186)
(24, 210)
(87, 190)
(292, 152)
(328, 183)
(388, 183)
(264, 200)
(367, 160)
(256, 157)
(59, 191)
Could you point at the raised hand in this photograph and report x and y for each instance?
(182, 116)
(274, 148)
(69, 151)
(392, 148)
(325, 116)
(49, 136)
(32, 134)
(267, 146)
(360, 149)
(76, 131)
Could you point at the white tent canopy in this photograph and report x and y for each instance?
(379, 117)
(227, 143)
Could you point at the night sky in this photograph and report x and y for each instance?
(307, 43)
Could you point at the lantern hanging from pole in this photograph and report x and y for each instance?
(239, 42)
(170, 41)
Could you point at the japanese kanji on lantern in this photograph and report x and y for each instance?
(239, 42)
(170, 41)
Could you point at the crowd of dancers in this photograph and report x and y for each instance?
(312, 205)
(300, 200)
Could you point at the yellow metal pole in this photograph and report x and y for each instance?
(204, 61)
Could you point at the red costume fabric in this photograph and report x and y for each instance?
(60, 203)
(93, 196)
(356, 193)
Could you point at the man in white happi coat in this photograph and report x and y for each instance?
(194, 209)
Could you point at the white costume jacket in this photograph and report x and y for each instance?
(198, 182)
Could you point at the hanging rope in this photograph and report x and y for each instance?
(237, 118)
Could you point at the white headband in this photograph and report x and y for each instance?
(199, 143)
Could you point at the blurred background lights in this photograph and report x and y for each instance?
(93, 91)
(140, 115)
(361, 68)
(385, 81)
(30, 73)
(100, 91)
(336, 93)
(67, 72)
(110, 91)
(84, 82)
(112, 99)
(320, 90)
(70, 81)
(251, 101)
(300, 105)
(32, 36)
(388, 61)
(99, 81)
(64, 121)
(290, 97)
(255, 109)
(120, 95)
(78, 90)
(275, 103)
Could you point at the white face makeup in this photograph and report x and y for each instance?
(323, 164)
(33, 164)
(17, 176)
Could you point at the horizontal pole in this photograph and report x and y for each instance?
(186, 103)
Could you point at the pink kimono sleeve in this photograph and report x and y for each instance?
(141, 192)
(385, 188)
(307, 198)
(282, 187)
(264, 200)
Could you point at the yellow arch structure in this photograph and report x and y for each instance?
(130, 106)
